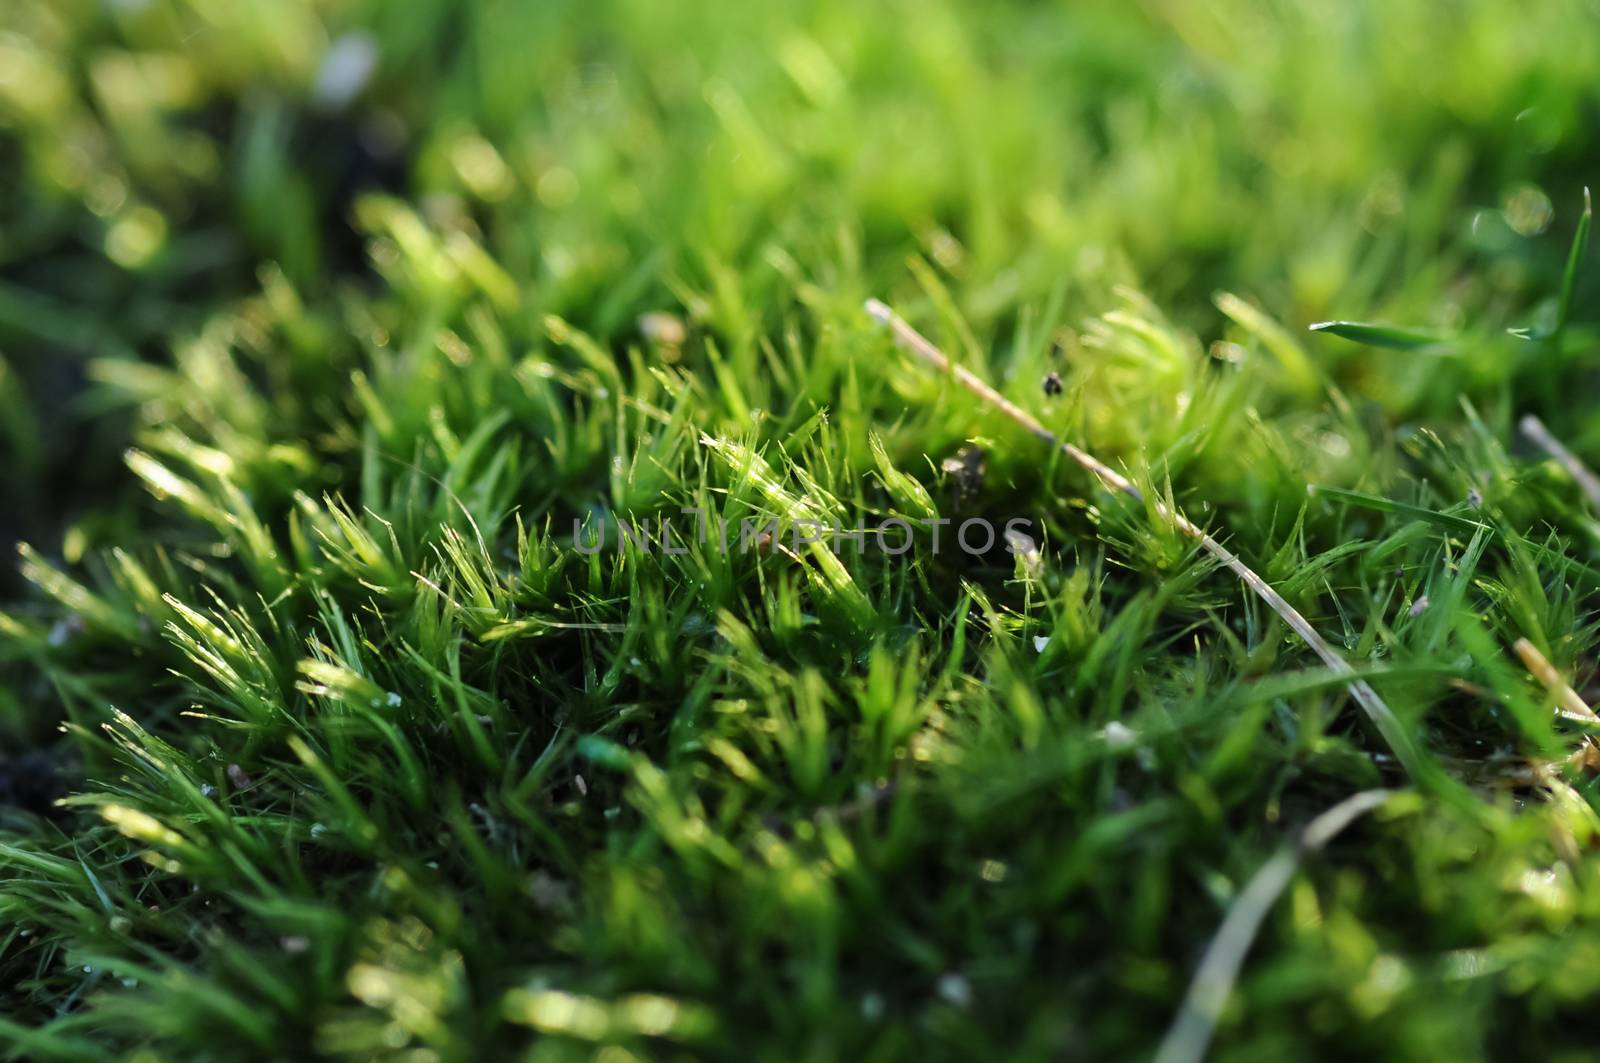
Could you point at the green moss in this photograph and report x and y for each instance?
(330, 334)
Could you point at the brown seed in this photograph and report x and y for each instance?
(663, 328)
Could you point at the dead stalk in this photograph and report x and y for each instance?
(1585, 478)
(1190, 1033)
(1538, 665)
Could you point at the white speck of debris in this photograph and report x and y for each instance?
(394, 700)
(872, 1006)
(1023, 547)
(1118, 735)
(64, 630)
(1335, 444)
(345, 69)
(1419, 605)
(663, 328)
(547, 892)
(956, 989)
(1040, 642)
(1544, 885)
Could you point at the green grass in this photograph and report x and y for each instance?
(322, 735)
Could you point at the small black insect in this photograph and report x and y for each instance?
(1052, 384)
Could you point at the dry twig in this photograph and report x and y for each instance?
(1587, 481)
(1190, 1032)
(1571, 704)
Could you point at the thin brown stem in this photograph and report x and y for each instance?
(1585, 478)
(1190, 1033)
(1569, 702)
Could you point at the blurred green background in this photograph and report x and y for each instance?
(1394, 161)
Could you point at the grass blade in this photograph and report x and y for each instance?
(1569, 280)
(1403, 509)
(1387, 336)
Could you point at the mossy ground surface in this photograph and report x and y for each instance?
(324, 324)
